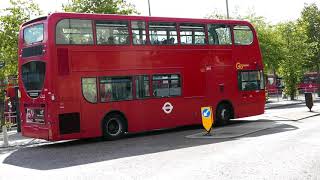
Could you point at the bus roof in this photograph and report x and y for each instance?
(134, 17)
(34, 20)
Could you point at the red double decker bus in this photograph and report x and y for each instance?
(309, 83)
(274, 84)
(91, 75)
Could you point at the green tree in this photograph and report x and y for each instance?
(310, 21)
(296, 51)
(18, 12)
(101, 6)
(270, 42)
(216, 14)
(271, 45)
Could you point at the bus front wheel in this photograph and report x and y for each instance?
(113, 127)
(224, 113)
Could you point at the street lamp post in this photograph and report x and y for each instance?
(227, 5)
(3, 124)
(149, 7)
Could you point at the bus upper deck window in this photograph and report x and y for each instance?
(74, 31)
(138, 32)
(242, 35)
(162, 33)
(192, 33)
(112, 32)
(219, 34)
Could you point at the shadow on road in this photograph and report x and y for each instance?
(274, 130)
(79, 152)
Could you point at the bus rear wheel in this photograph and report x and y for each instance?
(113, 127)
(224, 113)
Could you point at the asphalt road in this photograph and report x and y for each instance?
(290, 150)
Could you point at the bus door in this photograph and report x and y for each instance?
(219, 68)
(167, 87)
(89, 106)
(218, 73)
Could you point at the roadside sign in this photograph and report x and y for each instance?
(207, 118)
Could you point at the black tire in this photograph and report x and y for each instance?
(113, 126)
(224, 113)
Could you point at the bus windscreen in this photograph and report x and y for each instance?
(33, 74)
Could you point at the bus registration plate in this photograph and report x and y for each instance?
(35, 115)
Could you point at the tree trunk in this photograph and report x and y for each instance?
(291, 96)
(2, 121)
(318, 79)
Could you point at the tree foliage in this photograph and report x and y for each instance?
(101, 6)
(310, 21)
(296, 52)
(270, 41)
(12, 17)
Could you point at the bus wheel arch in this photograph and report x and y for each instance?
(114, 125)
(224, 112)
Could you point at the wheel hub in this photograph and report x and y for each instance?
(113, 127)
(224, 114)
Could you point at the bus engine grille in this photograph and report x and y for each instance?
(69, 123)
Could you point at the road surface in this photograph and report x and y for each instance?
(290, 149)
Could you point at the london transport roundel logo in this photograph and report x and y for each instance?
(167, 107)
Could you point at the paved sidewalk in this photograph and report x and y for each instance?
(260, 122)
(278, 104)
(17, 140)
(275, 103)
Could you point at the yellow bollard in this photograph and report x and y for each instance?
(207, 118)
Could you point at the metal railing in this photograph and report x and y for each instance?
(10, 119)
(276, 95)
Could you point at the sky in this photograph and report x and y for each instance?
(273, 10)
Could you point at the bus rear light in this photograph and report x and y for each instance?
(52, 97)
